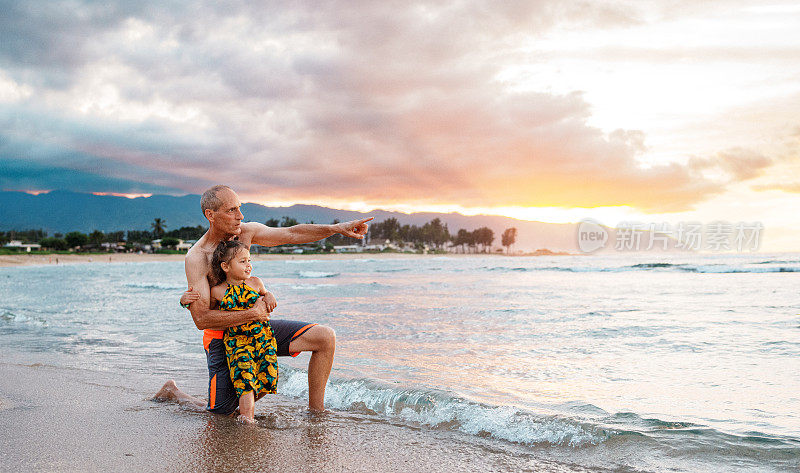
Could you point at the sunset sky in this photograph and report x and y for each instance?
(543, 110)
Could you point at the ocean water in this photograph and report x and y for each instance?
(615, 362)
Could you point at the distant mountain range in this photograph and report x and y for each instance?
(65, 211)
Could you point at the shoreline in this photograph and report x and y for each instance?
(68, 259)
(31, 259)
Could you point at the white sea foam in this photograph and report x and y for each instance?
(310, 287)
(317, 274)
(23, 319)
(156, 286)
(440, 410)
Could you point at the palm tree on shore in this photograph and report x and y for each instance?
(159, 227)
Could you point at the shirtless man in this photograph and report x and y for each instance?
(221, 207)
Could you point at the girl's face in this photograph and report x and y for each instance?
(239, 266)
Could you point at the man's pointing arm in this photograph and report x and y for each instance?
(306, 232)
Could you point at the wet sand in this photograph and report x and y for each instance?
(54, 419)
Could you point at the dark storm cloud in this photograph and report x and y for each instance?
(17, 174)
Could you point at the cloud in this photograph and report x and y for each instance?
(48, 151)
(791, 187)
(370, 101)
(16, 174)
(648, 54)
(737, 163)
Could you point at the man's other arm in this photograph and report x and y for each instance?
(206, 318)
(305, 232)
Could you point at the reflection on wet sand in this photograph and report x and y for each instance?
(315, 433)
(278, 439)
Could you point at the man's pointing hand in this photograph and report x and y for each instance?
(354, 228)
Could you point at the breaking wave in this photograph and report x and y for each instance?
(316, 274)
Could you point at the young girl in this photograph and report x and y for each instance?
(251, 348)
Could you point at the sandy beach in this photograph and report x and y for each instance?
(56, 419)
(29, 259)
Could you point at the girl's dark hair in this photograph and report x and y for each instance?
(225, 252)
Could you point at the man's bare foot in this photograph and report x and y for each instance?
(245, 420)
(171, 392)
(315, 415)
(167, 392)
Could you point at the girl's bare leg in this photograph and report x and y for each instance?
(247, 407)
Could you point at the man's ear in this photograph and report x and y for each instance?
(209, 214)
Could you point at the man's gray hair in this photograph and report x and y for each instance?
(209, 200)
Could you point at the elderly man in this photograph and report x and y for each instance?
(221, 206)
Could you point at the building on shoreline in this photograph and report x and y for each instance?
(18, 244)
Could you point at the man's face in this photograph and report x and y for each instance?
(228, 217)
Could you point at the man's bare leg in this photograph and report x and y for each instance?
(170, 392)
(321, 342)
